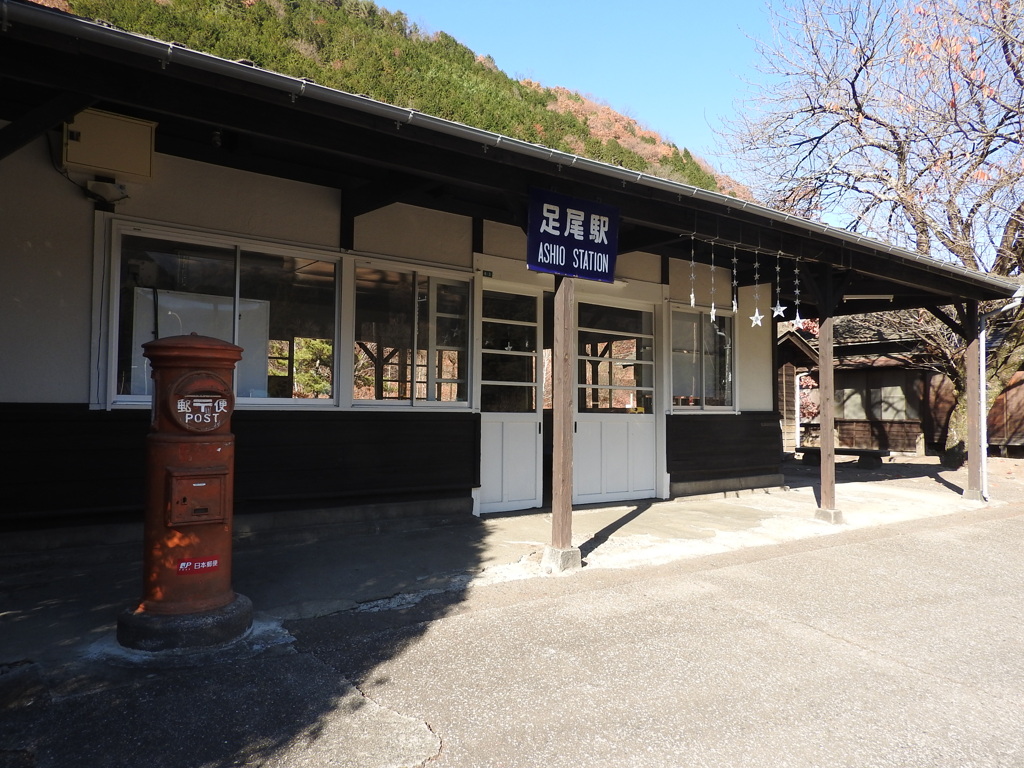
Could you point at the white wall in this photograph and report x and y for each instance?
(414, 233)
(636, 265)
(504, 240)
(223, 199)
(755, 375)
(46, 289)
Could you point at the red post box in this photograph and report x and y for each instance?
(187, 598)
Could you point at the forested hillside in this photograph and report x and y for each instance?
(355, 46)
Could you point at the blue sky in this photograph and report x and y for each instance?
(675, 66)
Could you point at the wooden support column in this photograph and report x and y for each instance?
(972, 360)
(561, 555)
(827, 418)
(827, 392)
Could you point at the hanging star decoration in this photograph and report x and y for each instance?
(712, 282)
(756, 318)
(735, 282)
(778, 310)
(693, 279)
(798, 322)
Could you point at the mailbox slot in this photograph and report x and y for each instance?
(197, 496)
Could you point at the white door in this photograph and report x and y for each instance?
(511, 448)
(615, 445)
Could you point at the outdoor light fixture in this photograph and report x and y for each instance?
(868, 297)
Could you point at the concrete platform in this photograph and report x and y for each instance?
(340, 617)
(57, 600)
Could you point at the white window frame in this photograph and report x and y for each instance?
(650, 365)
(110, 231)
(701, 312)
(537, 355)
(433, 275)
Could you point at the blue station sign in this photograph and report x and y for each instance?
(572, 237)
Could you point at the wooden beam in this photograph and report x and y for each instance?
(958, 328)
(41, 119)
(477, 235)
(649, 240)
(388, 188)
(347, 229)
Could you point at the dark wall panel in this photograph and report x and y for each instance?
(1006, 418)
(60, 458)
(346, 454)
(68, 461)
(716, 446)
(878, 435)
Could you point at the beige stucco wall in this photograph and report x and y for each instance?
(754, 344)
(638, 266)
(46, 289)
(701, 285)
(226, 200)
(504, 240)
(417, 234)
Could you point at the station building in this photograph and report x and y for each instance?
(372, 262)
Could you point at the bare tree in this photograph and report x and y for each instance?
(901, 120)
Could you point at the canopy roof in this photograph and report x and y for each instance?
(53, 65)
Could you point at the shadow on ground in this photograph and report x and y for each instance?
(602, 536)
(800, 475)
(69, 696)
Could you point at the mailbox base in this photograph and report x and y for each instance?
(157, 632)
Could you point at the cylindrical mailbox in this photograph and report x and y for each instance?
(187, 597)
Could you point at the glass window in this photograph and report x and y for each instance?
(411, 337)
(878, 394)
(850, 404)
(291, 302)
(615, 356)
(509, 353)
(279, 308)
(702, 360)
(718, 361)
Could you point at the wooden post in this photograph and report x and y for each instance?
(827, 393)
(973, 362)
(561, 555)
(827, 418)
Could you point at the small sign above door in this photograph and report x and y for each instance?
(572, 237)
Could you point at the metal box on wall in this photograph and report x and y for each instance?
(109, 145)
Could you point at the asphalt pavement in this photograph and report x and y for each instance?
(722, 631)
